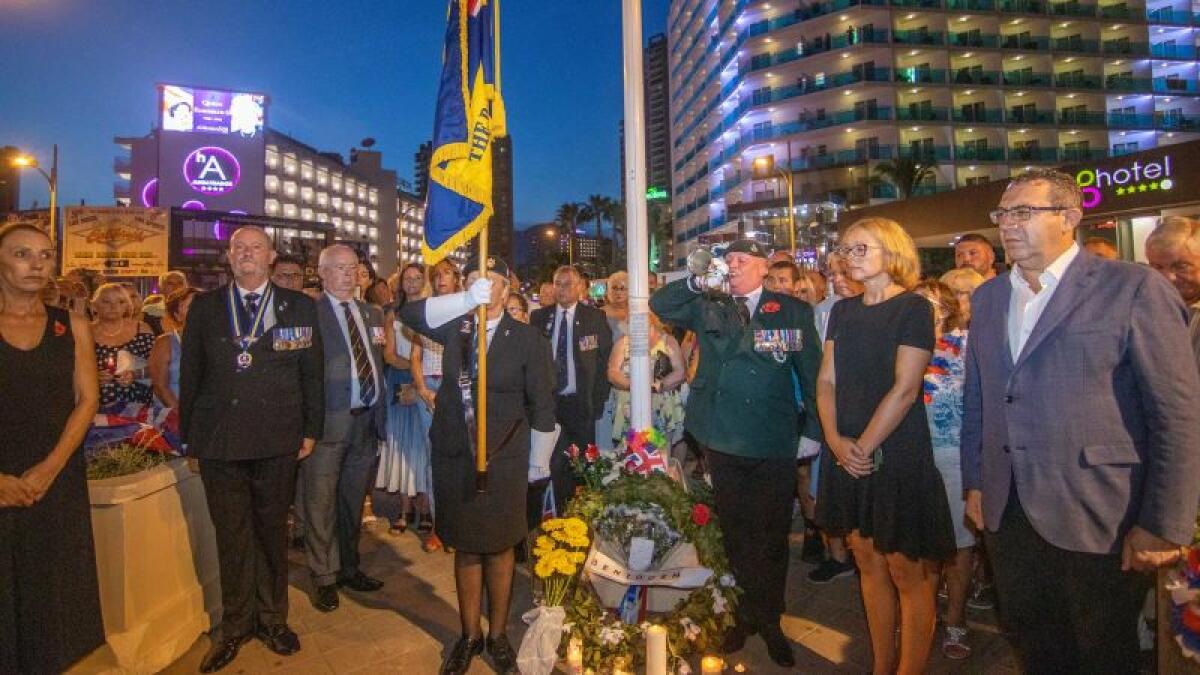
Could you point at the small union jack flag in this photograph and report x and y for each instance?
(643, 460)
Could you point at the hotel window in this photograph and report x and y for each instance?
(322, 178)
(322, 199)
(362, 211)
(362, 193)
(374, 196)
(373, 233)
(272, 157)
(290, 165)
(335, 202)
(976, 180)
(373, 214)
(306, 171)
(306, 194)
(289, 189)
(362, 229)
(271, 206)
(350, 185)
(322, 217)
(337, 222)
(335, 182)
(306, 214)
(348, 208)
(271, 183)
(290, 210)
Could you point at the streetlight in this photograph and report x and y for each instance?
(552, 232)
(30, 162)
(763, 168)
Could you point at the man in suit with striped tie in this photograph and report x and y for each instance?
(336, 476)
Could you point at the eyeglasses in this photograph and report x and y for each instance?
(1021, 214)
(855, 251)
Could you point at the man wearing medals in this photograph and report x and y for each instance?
(756, 346)
(251, 406)
(336, 476)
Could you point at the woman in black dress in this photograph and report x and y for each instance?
(483, 528)
(49, 600)
(880, 484)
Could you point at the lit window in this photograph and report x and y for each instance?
(362, 229)
(348, 208)
(336, 202)
(272, 158)
(271, 183)
(322, 178)
(373, 233)
(374, 196)
(349, 188)
(337, 221)
(322, 217)
(362, 211)
(271, 206)
(322, 199)
(306, 194)
(306, 171)
(362, 193)
(306, 214)
(290, 165)
(335, 181)
(373, 214)
(374, 249)
(289, 189)
(289, 210)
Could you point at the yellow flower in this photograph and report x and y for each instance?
(552, 524)
(578, 557)
(576, 528)
(543, 568)
(543, 546)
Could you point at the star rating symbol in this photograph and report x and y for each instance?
(1142, 188)
(1120, 191)
(1154, 185)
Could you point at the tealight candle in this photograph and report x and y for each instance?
(656, 650)
(575, 658)
(711, 665)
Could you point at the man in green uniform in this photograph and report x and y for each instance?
(757, 350)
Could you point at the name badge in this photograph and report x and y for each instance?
(778, 340)
(377, 337)
(292, 337)
(588, 343)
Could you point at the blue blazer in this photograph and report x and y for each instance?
(1098, 421)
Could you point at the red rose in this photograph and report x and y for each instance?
(592, 453)
(701, 515)
(573, 451)
(59, 329)
(770, 307)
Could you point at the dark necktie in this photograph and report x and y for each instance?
(743, 308)
(362, 363)
(251, 301)
(560, 351)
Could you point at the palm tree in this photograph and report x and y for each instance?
(599, 209)
(568, 217)
(907, 172)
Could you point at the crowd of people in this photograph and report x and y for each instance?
(1025, 437)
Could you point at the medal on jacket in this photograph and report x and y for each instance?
(245, 336)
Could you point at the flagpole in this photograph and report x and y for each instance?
(635, 217)
(481, 462)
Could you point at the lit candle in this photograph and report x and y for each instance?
(656, 650)
(711, 665)
(575, 657)
(619, 667)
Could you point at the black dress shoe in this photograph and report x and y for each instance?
(778, 647)
(503, 656)
(360, 582)
(459, 661)
(279, 639)
(221, 654)
(735, 638)
(325, 598)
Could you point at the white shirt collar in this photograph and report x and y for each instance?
(1052, 274)
(242, 293)
(753, 296)
(338, 303)
(569, 310)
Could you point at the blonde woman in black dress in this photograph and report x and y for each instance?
(49, 602)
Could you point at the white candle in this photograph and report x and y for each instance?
(656, 650)
(575, 658)
(711, 665)
(619, 667)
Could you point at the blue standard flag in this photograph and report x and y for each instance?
(470, 115)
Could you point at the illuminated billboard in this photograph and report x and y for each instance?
(212, 111)
(207, 172)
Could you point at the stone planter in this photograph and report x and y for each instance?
(156, 557)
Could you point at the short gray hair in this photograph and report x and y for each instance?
(1064, 190)
(328, 252)
(1175, 231)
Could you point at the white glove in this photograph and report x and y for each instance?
(541, 448)
(808, 448)
(445, 308)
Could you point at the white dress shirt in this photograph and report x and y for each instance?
(268, 314)
(356, 395)
(558, 313)
(1025, 306)
(752, 299)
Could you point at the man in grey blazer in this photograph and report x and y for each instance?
(336, 476)
(1080, 441)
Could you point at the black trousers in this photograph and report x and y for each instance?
(248, 501)
(1070, 612)
(754, 502)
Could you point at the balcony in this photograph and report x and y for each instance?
(925, 189)
(971, 5)
(974, 40)
(122, 164)
(1125, 47)
(1077, 81)
(942, 153)
(1028, 42)
(973, 115)
(1120, 11)
(1023, 6)
(972, 154)
(1082, 154)
(1082, 118)
(918, 114)
(1131, 120)
(919, 4)
(1177, 122)
(1173, 51)
(920, 76)
(970, 76)
(1128, 84)
(1169, 16)
(1071, 9)
(1174, 85)
(1077, 45)
(1028, 154)
(1022, 78)
(1020, 116)
(918, 37)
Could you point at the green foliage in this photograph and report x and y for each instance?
(122, 460)
(906, 173)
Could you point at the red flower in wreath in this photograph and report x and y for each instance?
(770, 307)
(701, 515)
(59, 329)
(592, 453)
(573, 451)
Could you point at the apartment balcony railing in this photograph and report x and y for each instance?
(1023, 78)
(1028, 42)
(918, 37)
(1019, 116)
(915, 114)
(1081, 154)
(985, 116)
(972, 5)
(941, 153)
(1173, 51)
(1077, 81)
(1173, 85)
(1033, 154)
(968, 76)
(974, 39)
(921, 76)
(1082, 118)
(973, 154)
(1125, 47)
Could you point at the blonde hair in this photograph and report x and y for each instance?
(612, 279)
(899, 252)
(963, 279)
(114, 287)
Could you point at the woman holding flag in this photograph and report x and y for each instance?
(484, 527)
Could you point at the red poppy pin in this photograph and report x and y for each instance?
(770, 307)
(59, 329)
(701, 515)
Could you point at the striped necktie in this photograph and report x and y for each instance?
(362, 362)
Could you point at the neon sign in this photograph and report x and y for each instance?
(211, 170)
(655, 193)
(1136, 178)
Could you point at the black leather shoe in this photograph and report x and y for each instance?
(221, 654)
(503, 656)
(778, 647)
(360, 582)
(325, 598)
(459, 661)
(735, 638)
(279, 639)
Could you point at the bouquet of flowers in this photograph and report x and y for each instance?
(622, 523)
(559, 554)
(592, 468)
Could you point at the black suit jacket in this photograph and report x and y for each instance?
(263, 411)
(591, 365)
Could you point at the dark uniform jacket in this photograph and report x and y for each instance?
(265, 410)
(338, 376)
(742, 400)
(591, 346)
